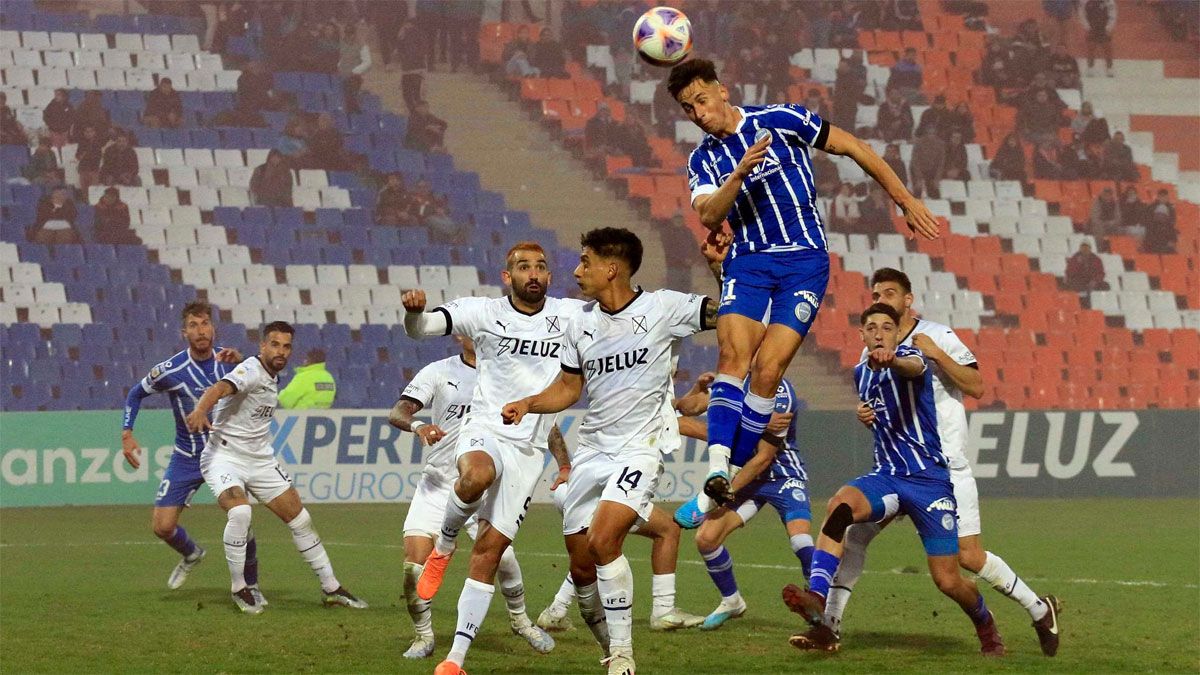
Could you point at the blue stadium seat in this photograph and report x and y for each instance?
(255, 215)
(329, 218)
(230, 216)
(288, 216)
(336, 256)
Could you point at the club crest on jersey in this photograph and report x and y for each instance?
(522, 347)
(158, 370)
(552, 324)
(639, 325)
(947, 521)
(797, 486)
(943, 504)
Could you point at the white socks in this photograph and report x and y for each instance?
(312, 550)
(854, 558)
(512, 586)
(593, 613)
(1002, 578)
(472, 607)
(457, 513)
(565, 594)
(662, 587)
(237, 531)
(418, 609)
(615, 581)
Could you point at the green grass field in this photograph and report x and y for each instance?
(84, 590)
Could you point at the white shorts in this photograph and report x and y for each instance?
(264, 479)
(966, 496)
(518, 468)
(630, 479)
(428, 509)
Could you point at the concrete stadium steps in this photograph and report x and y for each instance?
(1170, 133)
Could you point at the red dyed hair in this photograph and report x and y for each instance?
(522, 246)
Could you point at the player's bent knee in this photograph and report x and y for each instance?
(837, 521)
(972, 559)
(472, 483)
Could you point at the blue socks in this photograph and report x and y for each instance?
(802, 546)
(250, 572)
(724, 415)
(979, 614)
(720, 568)
(824, 566)
(756, 412)
(181, 542)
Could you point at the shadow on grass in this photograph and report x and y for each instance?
(918, 642)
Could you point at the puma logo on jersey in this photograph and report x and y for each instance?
(503, 326)
(589, 334)
(452, 384)
(616, 362)
(521, 347)
(943, 504)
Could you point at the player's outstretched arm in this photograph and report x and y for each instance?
(129, 445)
(968, 380)
(198, 421)
(906, 366)
(417, 322)
(916, 214)
(768, 447)
(713, 208)
(695, 401)
(401, 417)
(558, 450)
(562, 393)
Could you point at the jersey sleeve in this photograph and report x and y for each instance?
(948, 341)
(804, 123)
(246, 376)
(906, 351)
(422, 387)
(158, 379)
(701, 179)
(568, 356)
(684, 312)
(465, 316)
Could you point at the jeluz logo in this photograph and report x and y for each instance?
(943, 504)
(807, 307)
(522, 347)
(616, 362)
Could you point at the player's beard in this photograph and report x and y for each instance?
(530, 297)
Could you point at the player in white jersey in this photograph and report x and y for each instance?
(444, 389)
(517, 341)
(955, 373)
(620, 347)
(239, 460)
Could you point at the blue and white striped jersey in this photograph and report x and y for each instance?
(184, 381)
(906, 435)
(788, 463)
(776, 209)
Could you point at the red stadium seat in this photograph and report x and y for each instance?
(1156, 339)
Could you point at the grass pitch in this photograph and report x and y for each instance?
(84, 590)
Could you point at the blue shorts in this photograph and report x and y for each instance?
(180, 481)
(792, 283)
(789, 497)
(926, 497)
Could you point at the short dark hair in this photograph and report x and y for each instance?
(615, 242)
(891, 274)
(193, 308)
(689, 71)
(879, 308)
(277, 327)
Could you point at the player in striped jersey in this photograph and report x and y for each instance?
(910, 477)
(183, 377)
(775, 476)
(956, 373)
(753, 169)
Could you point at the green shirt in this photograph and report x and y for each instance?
(311, 387)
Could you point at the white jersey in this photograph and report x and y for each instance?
(947, 397)
(242, 421)
(444, 390)
(516, 354)
(626, 359)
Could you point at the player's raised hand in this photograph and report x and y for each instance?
(229, 355)
(430, 433)
(920, 220)
(131, 449)
(881, 358)
(779, 423)
(927, 346)
(866, 414)
(197, 421)
(514, 412)
(753, 157)
(716, 246)
(414, 300)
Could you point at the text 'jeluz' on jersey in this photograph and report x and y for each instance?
(616, 362)
(528, 347)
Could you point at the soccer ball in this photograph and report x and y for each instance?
(663, 36)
